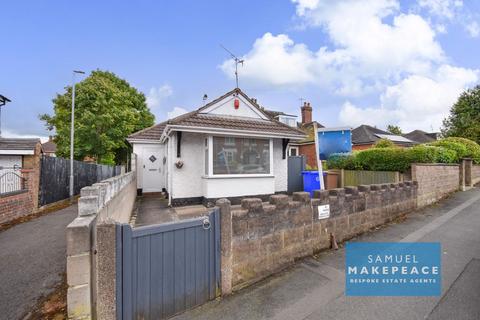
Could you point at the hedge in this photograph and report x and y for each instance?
(473, 149)
(459, 148)
(449, 150)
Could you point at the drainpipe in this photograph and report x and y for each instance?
(170, 170)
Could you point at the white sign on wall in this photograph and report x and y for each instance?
(324, 211)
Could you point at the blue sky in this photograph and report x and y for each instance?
(378, 62)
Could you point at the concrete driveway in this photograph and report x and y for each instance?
(32, 261)
(314, 288)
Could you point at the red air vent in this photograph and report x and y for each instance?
(236, 103)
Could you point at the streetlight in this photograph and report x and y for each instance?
(3, 101)
(72, 131)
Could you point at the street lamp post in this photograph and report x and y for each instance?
(72, 133)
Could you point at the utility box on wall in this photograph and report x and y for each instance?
(334, 140)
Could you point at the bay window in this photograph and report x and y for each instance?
(242, 156)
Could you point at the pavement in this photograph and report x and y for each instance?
(155, 210)
(32, 261)
(314, 287)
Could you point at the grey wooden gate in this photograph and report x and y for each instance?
(296, 164)
(168, 268)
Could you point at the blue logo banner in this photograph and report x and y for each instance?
(393, 269)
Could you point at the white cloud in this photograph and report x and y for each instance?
(473, 29)
(12, 134)
(417, 102)
(367, 51)
(442, 8)
(376, 49)
(157, 95)
(177, 111)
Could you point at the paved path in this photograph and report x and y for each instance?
(314, 288)
(32, 261)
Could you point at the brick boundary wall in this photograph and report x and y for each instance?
(261, 238)
(19, 204)
(435, 181)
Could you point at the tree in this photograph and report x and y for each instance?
(107, 110)
(394, 129)
(464, 118)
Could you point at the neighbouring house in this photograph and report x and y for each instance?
(306, 146)
(421, 136)
(18, 153)
(228, 148)
(365, 136)
(49, 148)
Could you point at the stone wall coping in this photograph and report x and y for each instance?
(254, 206)
(437, 164)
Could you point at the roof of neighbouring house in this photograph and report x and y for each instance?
(274, 114)
(366, 134)
(198, 119)
(49, 146)
(421, 136)
(18, 143)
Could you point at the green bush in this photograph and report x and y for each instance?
(459, 148)
(384, 159)
(445, 155)
(346, 161)
(422, 154)
(473, 149)
(384, 143)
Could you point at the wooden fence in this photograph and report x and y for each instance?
(358, 177)
(55, 177)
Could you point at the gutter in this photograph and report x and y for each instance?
(233, 132)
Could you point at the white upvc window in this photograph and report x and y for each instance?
(291, 121)
(238, 156)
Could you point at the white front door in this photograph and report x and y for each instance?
(153, 167)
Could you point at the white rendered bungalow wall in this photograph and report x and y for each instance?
(190, 181)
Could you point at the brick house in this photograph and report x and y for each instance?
(365, 136)
(306, 146)
(49, 148)
(228, 148)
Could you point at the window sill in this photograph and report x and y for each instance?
(230, 176)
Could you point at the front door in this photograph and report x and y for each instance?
(153, 167)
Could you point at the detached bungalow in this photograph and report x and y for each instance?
(228, 148)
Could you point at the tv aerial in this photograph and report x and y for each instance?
(237, 61)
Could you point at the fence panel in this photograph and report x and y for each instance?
(358, 177)
(55, 177)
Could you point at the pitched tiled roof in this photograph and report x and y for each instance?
(205, 120)
(211, 121)
(150, 133)
(421, 136)
(365, 134)
(49, 147)
(18, 144)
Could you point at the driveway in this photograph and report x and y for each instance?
(314, 288)
(32, 261)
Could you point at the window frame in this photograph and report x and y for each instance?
(237, 175)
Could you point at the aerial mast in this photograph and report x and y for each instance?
(237, 61)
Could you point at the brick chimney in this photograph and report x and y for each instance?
(306, 112)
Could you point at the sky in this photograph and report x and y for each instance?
(374, 62)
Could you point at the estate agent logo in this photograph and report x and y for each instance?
(392, 269)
